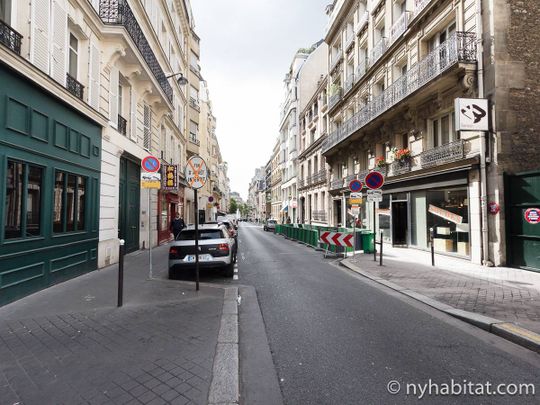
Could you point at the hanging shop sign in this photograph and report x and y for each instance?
(170, 178)
(471, 114)
(449, 216)
(532, 215)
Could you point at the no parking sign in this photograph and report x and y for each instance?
(532, 216)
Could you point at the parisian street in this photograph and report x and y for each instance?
(337, 338)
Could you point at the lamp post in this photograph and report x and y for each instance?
(182, 81)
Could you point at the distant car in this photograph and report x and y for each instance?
(216, 249)
(270, 225)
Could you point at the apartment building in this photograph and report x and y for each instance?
(268, 189)
(90, 88)
(276, 176)
(395, 71)
(313, 105)
(257, 194)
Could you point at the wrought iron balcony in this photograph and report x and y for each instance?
(377, 51)
(122, 125)
(398, 167)
(349, 83)
(302, 183)
(442, 154)
(336, 184)
(419, 5)
(118, 12)
(194, 139)
(399, 27)
(319, 177)
(10, 38)
(360, 69)
(194, 103)
(334, 99)
(74, 87)
(349, 41)
(335, 60)
(460, 47)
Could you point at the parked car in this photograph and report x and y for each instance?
(270, 225)
(216, 249)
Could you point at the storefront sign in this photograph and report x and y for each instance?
(170, 182)
(493, 208)
(471, 114)
(449, 216)
(532, 216)
(150, 180)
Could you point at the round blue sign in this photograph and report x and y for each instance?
(355, 186)
(374, 180)
(150, 164)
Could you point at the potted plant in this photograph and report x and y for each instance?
(380, 162)
(402, 155)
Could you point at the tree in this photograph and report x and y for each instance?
(233, 206)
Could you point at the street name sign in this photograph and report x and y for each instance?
(150, 180)
(196, 172)
(336, 238)
(150, 164)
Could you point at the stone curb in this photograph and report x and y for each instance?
(506, 330)
(225, 386)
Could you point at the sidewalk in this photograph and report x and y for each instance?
(70, 344)
(507, 294)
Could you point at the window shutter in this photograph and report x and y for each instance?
(59, 54)
(113, 96)
(93, 76)
(39, 54)
(133, 115)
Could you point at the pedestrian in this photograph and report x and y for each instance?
(177, 224)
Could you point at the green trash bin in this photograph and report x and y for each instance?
(368, 242)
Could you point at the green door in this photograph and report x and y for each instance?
(523, 237)
(129, 204)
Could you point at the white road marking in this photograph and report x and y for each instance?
(235, 277)
(236, 269)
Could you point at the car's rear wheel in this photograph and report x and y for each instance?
(229, 269)
(172, 273)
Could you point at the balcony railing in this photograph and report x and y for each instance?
(122, 125)
(460, 47)
(336, 184)
(194, 103)
(10, 38)
(360, 69)
(319, 177)
(118, 12)
(419, 5)
(399, 27)
(334, 99)
(442, 154)
(74, 87)
(399, 167)
(319, 216)
(377, 51)
(362, 21)
(349, 41)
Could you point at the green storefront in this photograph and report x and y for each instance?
(49, 189)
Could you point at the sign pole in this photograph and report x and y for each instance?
(374, 233)
(196, 239)
(150, 234)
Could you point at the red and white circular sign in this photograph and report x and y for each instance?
(532, 215)
(493, 208)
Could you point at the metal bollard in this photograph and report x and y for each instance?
(380, 254)
(121, 273)
(431, 236)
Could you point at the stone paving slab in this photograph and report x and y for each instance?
(469, 288)
(61, 347)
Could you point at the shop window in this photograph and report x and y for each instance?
(23, 200)
(448, 215)
(69, 202)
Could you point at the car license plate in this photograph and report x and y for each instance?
(202, 258)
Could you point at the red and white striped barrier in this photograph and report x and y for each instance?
(337, 238)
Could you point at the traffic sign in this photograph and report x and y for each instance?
(150, 180)
(196, 172)
(150, 164)
(356, 195)
(532, 216)
(336, 238)
(374, 180)
(374, 195)
(355, 185)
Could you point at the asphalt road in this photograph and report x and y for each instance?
(337, 338)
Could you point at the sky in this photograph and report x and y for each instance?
(247, 47)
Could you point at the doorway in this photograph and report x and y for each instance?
(399, 223)
(129, 204)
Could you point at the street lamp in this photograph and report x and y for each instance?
(182, 81)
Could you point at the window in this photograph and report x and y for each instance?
(405, 140)
(73, 56)
(23, 200)
(356, 165)
(193, 131)
(5, 11)
(69, 202)
(147, 140)
(442, 130)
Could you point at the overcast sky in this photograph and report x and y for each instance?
(246, 49)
